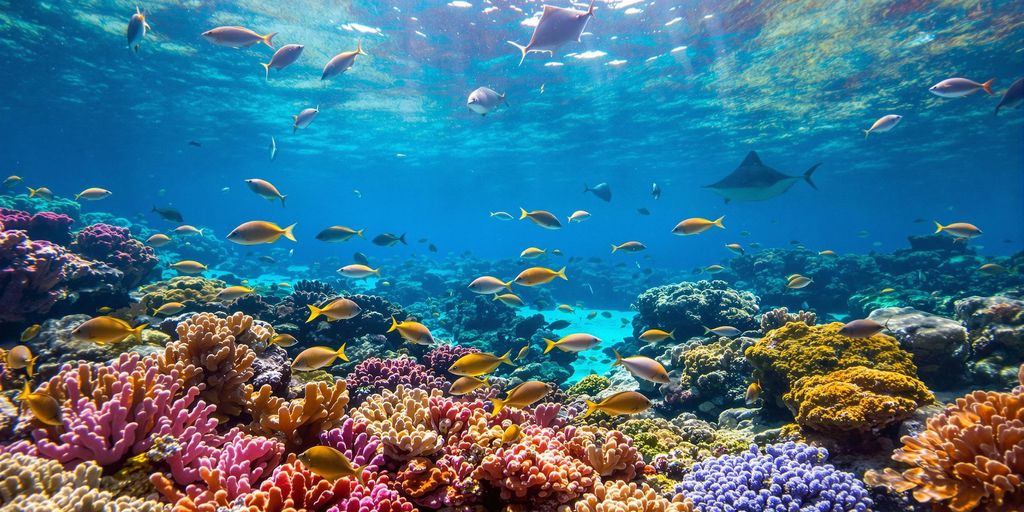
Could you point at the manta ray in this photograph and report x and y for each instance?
(754, 181)
(557, 26)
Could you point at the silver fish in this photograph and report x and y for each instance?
(273, 149)
(137, 28)
(304, 118)
(237, 37)
(1013, 96)
(958, 87)
(483, 100)
(557, 26)
(283, 57)
(341, 62)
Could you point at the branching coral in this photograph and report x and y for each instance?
(402, 420)
(617, 496)
(299, 422)
(375, 375)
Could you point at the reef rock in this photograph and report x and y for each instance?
(939, 344)
(687, 307)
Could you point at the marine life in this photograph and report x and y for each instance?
(466, 385)
(541, 218)
(557, 26)
(861, 328)
(41, 193)
(43, 406)
(187, 230)
(696, 226)
(330, 464)
(565, 308)
(502, 216)
(522, 352)
(643, 367)
(234, 292)
(158, 240)
(602, 190)
(478, 363)
(882, 125)
(572, 343)
(257, 232)
(107, 329)
(559, 324)
(284, 340)
(521, 396)
(413, 332)
(93, 194)
(265, 189)
(189, 267)
(273, 148)
(170, 214)
(168, 309)
(1013, 96)
(314, 358)
(358, 271)
(755, 181)
(486, 285)
(137, 28)
(753, 393)
(632, 246)
(655, 191)
(735, 248)
(534, 276)
(511, 434)
(30, 333)
(484, 100)
(958, 229)
(338, 309)
(302, 119)
(341, 62)
(237, 37)
(643, 211)
(799, 282)
(20, 357)
(579, 216)
(656, 335)
(959, 87)
(388, 239)
(282, 58)
(531, 252)
(623, 402)
(11, 180)
(987, 268)
(724, 330)
(338, 234)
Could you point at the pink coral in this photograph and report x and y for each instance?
(32, 275)
(441, 358)
(352, 439)
(375, 375)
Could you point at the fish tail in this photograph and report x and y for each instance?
(987, 86)
(360, 233)
(591, 408)
(359, 472)
(672, 334)
(31, 192)
(495, 297)
(938, 227)
(487, 381)
(402, 239)
(614, 248)
(718, 222)
(508, 284)
(807, 175)
(499, 404)
(359, 49)
(269, 39)
(550, 345)
(522, 212)
(376, 272)
(507, 104)
(313, 312)
(706, 330)
(866, 133)
(267, 68)
(137, 332)
(586, 188)
(341, 352)
(31, 367)
(618, 358)
(288, 230)
(522, 49)
(282, 200)
(561, 273)
(590, 10)
(394, 324)
(505, 358)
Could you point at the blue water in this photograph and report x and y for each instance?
(795, 81)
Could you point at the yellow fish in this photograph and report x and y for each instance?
(284, 340)
(624, 402)
(478, 363)
(643, 367)
(105, 309)
(330, 464)
(827, 252)
(30, 332)
(11, 180)
(531, 252)
(168, 308)
(522, 352)
(158, 240)
(189, 267)
(521, 396)
(465, 385)
(257, 232)
(565, 308)
(93, 194)
(799, 282)
(542, 218)
(107, 329)
(511, 434)
(234, 292)
(538, 275)
(315, 358)
(413, 332)
(958, 229)
(656, 335)
(886, 291)
(340, 309)
(753, 392)
(21, 357)
(696, 225)
(988, 268)
(357, 271)
(573, 343)
(510, 299)
(43, 406)
(41, 192)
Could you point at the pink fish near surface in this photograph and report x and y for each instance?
(137, 28)
(557, 26)
(237, 37)
(958, 87)
(341, 62)
(304, 118)
(283, 57)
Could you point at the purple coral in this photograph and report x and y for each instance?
(352, 439)
(30, 272)
(115, 246)
(442, 357)
(783, 477)
(374, 375)
(49, 226)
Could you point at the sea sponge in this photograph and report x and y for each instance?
(970, 457)
(590, 385)
(618, 496)
(299, 422)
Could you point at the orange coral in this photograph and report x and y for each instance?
(299, 422)
(609, 452)
(971, 457)
(402, 420)
(617, 496)
(421, 477)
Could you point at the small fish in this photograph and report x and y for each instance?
(799, 282)
(713, 269)
(195, 143)
(735, 248)
(284, 340)
(357, 193)
(958, 229)
(330, 464)
(753, 393)
(41, 193)
(557, 252)
(413, 332)
(725, 330)
(565, 308)
(267, 259)
(883, 124)
(338, 309)
(579, 216)
(656, 335)
(559, 324)
(432, 248)
(478, 363)
(265, 189)
(624, 321)
(862, 328)
(643, 211)
(237, 37)
(606, 314)
(284, 284)
(305, 117)
(487, 285)
(655, 191)
(542, 218)
(1013, 97)
(466, 385)
(158, 240)
(621, 403)
(632, 246)
(502, 216)
(107, 329)
(361, 259)
(696, 225)
(522, 352)
(511, 434)
(338, 234)
(137, 28)
(484, 100)
(315, 358)
(189, 267)
(886, 291)
(283, 57)
(273, 149)
(988, 268)
(388, 239)
(602, 190)
(20, 357)
(260, 232)
(828, 253)
(11, 180)
(30, 332)
(44, 407)
(170, 214)
(341, 62)
(572, 343)
(384, 284)
(744, 233)
(168, 309)
(755, 245)
(538, 275)
(531, 252)
(592, 315)
(105, 309)
(643, 367)
(521, 396)
(358, 271)
(187, 230)
(234, 292)
(959, 87)
(93, 194)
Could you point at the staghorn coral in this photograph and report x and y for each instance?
(970, 457)
(616, 496)
(33, 484)
(402, 420)
(778, 317)
(375, 375)
(591, 385)
(298, 422)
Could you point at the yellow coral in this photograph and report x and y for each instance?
(299, 422)
(402, 420)
(185, 289)
(618, 496)
(590, 385)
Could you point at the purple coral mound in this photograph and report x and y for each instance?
(442, 357)
(30, 272)
(115, 246)
(783, 477)
(375, 375)
(50, 226)
(352, 439)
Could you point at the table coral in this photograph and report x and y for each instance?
(299, 422)
(617, 496)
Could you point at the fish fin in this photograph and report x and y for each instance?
(313, 312)
(495, 297)
(672, 334)
(718, 222)
(522, 215)
(487, 381)
(522, 49)
(341, 352)
(31, 192)
(505, 358)
(137, 332)
(77, 196)
(561, 273)
(591, 408)
(508, 285)
(402, 239)
(376, 272)
(269, 39)
(359, 472)
(499, 404)
(807, 175)
(288, 231)
(360, 233)
(267, 68)
(282, 199)
(507, 104)
(614, 248)
(618, 358)
(706, 330)
(866, 133)
(359, 49)
(938, 227)
(550, 345)
(987, 87)
(31, 367)
(394, 325)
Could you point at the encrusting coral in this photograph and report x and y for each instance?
(299, 422)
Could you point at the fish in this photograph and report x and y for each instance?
(265, 189)
(361, 259)
(521, 396)
(579, 216)
(988, 268)
(606, 314)
(283, 57)
(305, 117)
(602, 190)
(105, 309)
(388, 239)
(413, 332)
(556, 27)
(486, 285)
(883, 124)
(754, 181)
(656, 335)
(168, 308)
(189, 267)
(534, 276)
(886, 291)
(696, 226)
(187, 230)
(531, 252)
(195, 143)
(502, 216)
(726, 330)
(330, 464)
(642, 367)
(137, 28)
(522, 352)
(592, 315)
(267, 259)
(1013, 97)
(20, 357)
(621, 403)
(357, 193)
(257, 232)
(466, 385)
(432, 248)
(632, 246)
(93, 194)
(753, 393)
(338, 309)
(862, 328)
(107, 329)
(338, 234)
(30, 332)
(958, 229)
(799, 282)
(643, 211)
(565, 308)
(655, 191)
(273, 149)
(158, 240)
(755, 245)
(827, 252)
(544, 219)
(341, 62)
(559, 324)
(577, 342)
(358, 271)
(284, 340)
(314, 358)
(41, 193)
(735, 248)
(478, 363)
(484, 100)
(234, 292)
(44, 407)
(237, 37)
(11, 180)
(557, 252)
(511, 434)
(170, 214)
(959, 87)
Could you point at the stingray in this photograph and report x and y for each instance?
(557, 26)
(754, 181)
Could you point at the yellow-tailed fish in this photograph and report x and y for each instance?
(234, 292)
(510, 299)
(531, 252)
(713, 269)
(168, 308)
(189, 267)
(522, 352)
(265, 189)
(413, 332)
(577, 342)
(958, 229)
(542, 218)
(41, 192)
(643, 367)
(338, 309)
(656, 335)
(187, 230)
(30, 332)
(521, 396)
(158, 240)
(696, 225)
(623, 402)
(284, 340)
(357, 271)
(511, 434)
(539, 275)
(315, 358)
(257, 232)
(93, 194)
(44, 407)
(107, 329)
(465, 385)
(21, 357)
(478, 363)
(486, 285)
(799, 282)
(330, 464)
(753, 393)
(631, 246)
(338, 234)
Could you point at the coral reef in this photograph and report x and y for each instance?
(115, 246)
(686, 308)
(49, 226)
(590, 385)
(939, 345)
(617, 496)
(196, 293)
(775, 318)
(714, 375)
(299, 422)
(375, 375)
(995, 332)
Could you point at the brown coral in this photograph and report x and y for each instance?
(971, 457)
(299, 422)
(402, 419)
(609, 452)
(617, 496)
